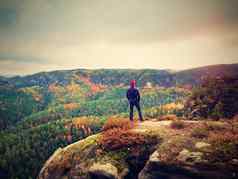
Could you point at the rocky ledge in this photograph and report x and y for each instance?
(173, 154)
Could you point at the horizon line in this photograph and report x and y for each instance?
(119, 68)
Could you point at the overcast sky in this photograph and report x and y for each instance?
(43, 35)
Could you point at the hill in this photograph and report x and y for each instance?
(112, 77)
(195, 75)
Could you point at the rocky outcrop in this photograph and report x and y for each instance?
(175, 156)
(190, 157)
(190, 166)
(202, 145)
(181, 157)
(64, 162)
(107, 171)
(87, 159)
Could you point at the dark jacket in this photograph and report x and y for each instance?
(133, 95)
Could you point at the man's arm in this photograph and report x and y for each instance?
(138, 95)
(127, 94)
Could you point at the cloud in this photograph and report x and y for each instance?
(7, 17)
(19, 59)
(130, 21)
(111, 33)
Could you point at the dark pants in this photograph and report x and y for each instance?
(137, 105)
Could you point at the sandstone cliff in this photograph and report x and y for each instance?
(174, 151)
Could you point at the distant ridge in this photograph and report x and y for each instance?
(194, 75)
(122, 76)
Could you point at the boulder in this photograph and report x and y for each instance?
(154, 157)
(63, 161)
(234, 162)
(186, 156)
(156, 168)
(103, 171)
(202, 145)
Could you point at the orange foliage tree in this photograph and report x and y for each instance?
(71, 106)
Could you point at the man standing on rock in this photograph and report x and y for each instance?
(133, 97)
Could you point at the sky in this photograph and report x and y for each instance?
(45, 35)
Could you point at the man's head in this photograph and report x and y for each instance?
(133, 83)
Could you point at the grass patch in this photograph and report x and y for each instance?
(200, 132)
(117, 135)
(224, 146)
(215, 126)
(177, 124)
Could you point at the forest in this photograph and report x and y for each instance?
(42, 112)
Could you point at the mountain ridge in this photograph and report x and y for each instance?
(163, 77)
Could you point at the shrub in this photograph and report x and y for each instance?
(117, 138)
(169, 117)
(223, 138)
(216, 98)
(117, 134)
(200, 132)
(215, 126)
(225, 146)
(177, 124)
(117, 123)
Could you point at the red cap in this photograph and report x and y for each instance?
(133, 83)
